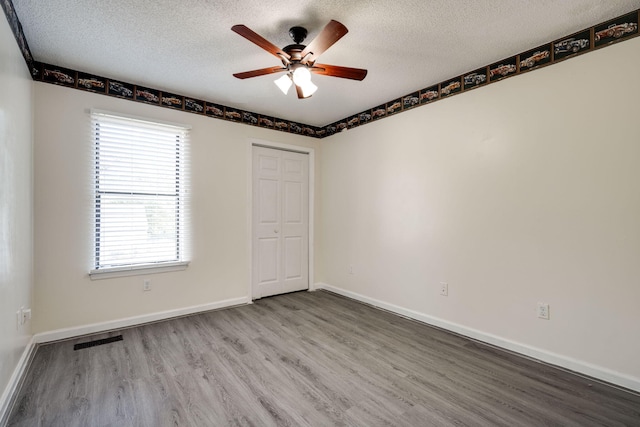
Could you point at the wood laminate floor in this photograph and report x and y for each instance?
(304, 359)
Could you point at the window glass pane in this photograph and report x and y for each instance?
(136, 166)
(137, 229)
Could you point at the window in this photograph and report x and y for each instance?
(140, 194)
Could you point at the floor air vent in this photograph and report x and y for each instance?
(88, 344)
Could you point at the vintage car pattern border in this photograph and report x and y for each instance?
(102, 85)
(426, 94)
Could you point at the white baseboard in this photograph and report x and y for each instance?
(559, 360)
(14, 381)
(61, 334)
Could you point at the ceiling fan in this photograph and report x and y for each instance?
(298, 60)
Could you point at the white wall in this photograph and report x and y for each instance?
(16, 238)
(64, 295)
(520, 192)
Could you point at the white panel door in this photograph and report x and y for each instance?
(280, 248)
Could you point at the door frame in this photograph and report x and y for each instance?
(251, 142)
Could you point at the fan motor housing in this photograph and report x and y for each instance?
(294, 50)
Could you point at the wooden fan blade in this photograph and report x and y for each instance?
(256, 38)
(260, 72)
(337, 71)
(330, 34)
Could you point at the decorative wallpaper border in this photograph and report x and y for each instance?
(54, 74)
(16, 28)
(605, 34)
(598, 36)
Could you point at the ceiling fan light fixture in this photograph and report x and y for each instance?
(284, 83)
(308, 88)
(301, 75)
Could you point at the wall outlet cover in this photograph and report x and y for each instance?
(543, 310)
(444, 289)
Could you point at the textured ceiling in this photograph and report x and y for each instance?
(187, 47)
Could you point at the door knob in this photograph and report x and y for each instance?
(275, 231)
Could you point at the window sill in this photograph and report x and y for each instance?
(108, 273)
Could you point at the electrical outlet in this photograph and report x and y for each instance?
(146, 286)
(444, 289)
(23, 315)
(26, 315)
(543, 311)
(351, 269)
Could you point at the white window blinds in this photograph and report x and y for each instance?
(141, 216)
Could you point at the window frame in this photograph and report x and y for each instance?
(180, 196)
